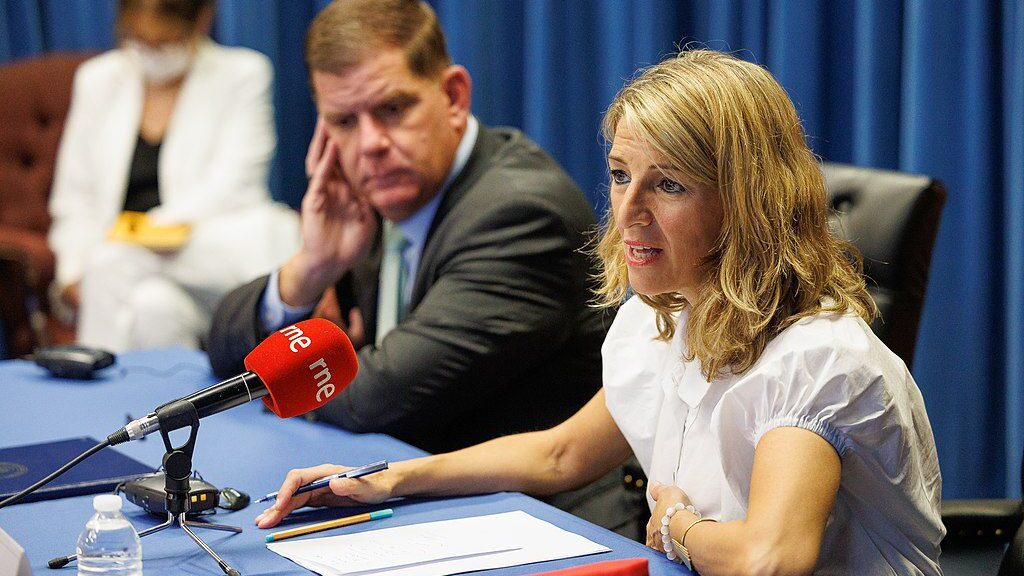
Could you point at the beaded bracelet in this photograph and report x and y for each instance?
(666, 539)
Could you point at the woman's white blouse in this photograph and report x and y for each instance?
(828, 374)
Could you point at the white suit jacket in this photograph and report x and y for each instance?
(213, 160)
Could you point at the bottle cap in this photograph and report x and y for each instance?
(107, 503)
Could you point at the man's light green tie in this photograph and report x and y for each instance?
(394, 274)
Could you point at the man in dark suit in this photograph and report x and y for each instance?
(453, 248)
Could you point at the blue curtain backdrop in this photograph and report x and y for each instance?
(934, 87)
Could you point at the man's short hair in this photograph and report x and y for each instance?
(347, 32)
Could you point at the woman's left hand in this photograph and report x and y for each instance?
(665, 497)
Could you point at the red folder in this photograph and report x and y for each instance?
(627, 567)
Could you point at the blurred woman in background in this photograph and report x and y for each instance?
(160, 202)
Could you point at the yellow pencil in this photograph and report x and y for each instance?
(346, 521)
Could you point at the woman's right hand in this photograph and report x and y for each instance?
(371, 489)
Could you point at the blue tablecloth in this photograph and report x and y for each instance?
(245, 448)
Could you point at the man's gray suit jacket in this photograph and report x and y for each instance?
(498, 337)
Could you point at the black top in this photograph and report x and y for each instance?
(143, 187)
(498, 338)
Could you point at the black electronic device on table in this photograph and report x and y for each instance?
(177, 478)
(72, 361)
(147, 492)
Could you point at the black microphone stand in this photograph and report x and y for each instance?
(177, 464)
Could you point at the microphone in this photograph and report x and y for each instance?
(297, 369)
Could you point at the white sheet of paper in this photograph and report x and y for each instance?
(439, 548)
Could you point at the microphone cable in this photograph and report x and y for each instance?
(124, 371)
(117, 438)
(55, 474)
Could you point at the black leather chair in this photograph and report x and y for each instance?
(983, 534)
(892, 218)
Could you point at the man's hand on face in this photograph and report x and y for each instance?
(336, 226)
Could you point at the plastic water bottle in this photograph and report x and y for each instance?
(109, 545)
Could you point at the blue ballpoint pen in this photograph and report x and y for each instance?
(323, 482)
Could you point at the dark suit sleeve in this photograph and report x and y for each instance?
(236, 329)
(496, 307)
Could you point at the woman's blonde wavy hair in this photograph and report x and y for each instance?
(727, 123)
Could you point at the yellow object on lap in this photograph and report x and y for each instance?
(136, 228)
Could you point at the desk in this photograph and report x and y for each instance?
(244, 448)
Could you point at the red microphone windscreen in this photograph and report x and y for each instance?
(303, 366)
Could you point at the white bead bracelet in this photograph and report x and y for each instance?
(666, 539)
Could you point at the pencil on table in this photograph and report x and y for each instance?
(346, 521)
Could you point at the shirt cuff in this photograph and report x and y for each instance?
(840, 441)
(274, 313)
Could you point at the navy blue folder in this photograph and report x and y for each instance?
(22, 466)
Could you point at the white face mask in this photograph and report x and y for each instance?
(161, 65)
